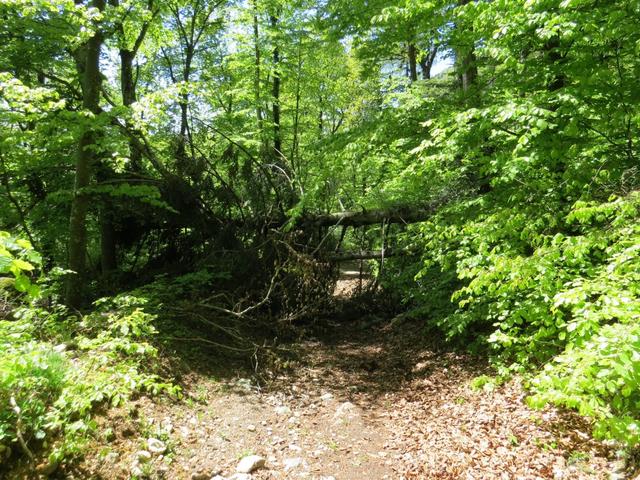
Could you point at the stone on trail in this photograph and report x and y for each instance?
(346, 409)
(136, 471)
(204, 476)
(143, 456)
(239, 476)
(250, 463)
(282, 410)
(167, 425)
(112, 457)
(155, 446)
(207, 474)
(291, 463)
(244, 384)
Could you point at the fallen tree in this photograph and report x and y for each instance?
(402, 214)
(367, 255)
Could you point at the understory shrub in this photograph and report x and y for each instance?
(559, 296)
(55, 368)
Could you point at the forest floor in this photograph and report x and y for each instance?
(367, 399)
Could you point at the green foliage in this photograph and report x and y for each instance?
(541, 228)
(561, 291)
(18, 258)
(486, 383)
(48, 393)
(599, 378)
(31, 379)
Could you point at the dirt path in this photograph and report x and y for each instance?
(362, 401)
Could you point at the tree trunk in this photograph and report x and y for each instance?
(127, 77)
(467, 65)
(277, 137)
(182, 162)
(129, 97)
(183, 102)
(426, 63)
(296, 117)
(4, 180)
(403, 214)
(108, 245)
(412, 53)
(127, 85)
(469, 70)
(256, 80)
(554, 58)
(89, 72)
(108, 237)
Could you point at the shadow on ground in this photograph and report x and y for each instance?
(367, 357)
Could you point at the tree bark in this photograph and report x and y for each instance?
(469, 70)
(127, 76)
(256, 80)
(277, 137)
(295, 144)
(554, 58)
(4, 180)
(412, 53)
(426, 62)
(183, 102)
(467, 62)
(129, 97)
(108, 244)
(89, 72)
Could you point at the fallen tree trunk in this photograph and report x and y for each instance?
(402, 214)
(367, 255)
(399, 214)
(371, 217)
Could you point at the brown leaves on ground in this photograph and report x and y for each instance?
(452, 432)
(445, 429)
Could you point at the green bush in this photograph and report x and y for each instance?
(48, 393)
(563, 295)
(599, 379)
(31, 379)
(56, 368)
